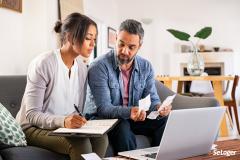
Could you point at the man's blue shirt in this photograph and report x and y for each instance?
(106, 85)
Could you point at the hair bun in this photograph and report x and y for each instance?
(58, 26)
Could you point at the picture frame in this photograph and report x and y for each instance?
(66, 7)
(15, 5)
(112, 36)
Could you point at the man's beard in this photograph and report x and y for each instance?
(122, 59)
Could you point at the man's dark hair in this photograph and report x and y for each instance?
(133, 27)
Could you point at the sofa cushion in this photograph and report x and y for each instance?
(10, 131)
(12, 90)
(3, 146)
(30, 153)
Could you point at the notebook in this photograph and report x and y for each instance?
(188, 132)
(93, 128)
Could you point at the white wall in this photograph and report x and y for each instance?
(26, 34)
(105, 11)
(186, 15)
(106, 14)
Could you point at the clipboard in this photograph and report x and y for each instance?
(93, 128)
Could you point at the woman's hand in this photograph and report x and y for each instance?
(74, 121)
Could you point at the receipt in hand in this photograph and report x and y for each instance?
(145, 103)
(166, 102)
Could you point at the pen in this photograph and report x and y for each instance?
(76, 108)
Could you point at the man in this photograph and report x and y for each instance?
(118, 80)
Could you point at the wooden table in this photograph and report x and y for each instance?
(217, 82)
(222, 147)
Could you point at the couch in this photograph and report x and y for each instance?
(11, 92)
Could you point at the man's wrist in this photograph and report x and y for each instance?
(126, 113)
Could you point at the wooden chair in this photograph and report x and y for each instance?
(232, 102)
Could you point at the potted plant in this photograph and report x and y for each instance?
(195, 64)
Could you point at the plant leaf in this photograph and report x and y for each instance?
(204, 33)
(179, 34)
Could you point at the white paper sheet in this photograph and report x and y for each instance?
(91, 156)
(153, 115)
(145, 103)
(166, 102)
(91, 127)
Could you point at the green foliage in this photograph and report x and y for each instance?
(179, 34)
(202, 34)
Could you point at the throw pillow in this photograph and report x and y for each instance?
(10, 131)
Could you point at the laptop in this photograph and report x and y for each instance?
(188, 132)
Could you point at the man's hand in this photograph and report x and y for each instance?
(74, 121)
(165, 110)
(142, 115)
(137, 115)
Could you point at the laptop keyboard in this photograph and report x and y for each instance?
(151, 155)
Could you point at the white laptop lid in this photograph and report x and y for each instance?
(188, 132)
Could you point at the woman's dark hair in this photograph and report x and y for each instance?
(77, 25)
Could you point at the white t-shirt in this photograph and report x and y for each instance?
(66, 89)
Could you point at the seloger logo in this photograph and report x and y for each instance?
(224, 152)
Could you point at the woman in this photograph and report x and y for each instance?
(56, 82)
